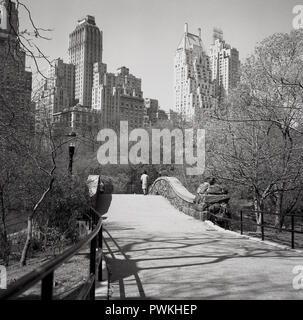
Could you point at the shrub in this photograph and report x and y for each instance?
(57, 218)
(5, 248)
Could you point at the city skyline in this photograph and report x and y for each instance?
(133, 31)
(139, 163)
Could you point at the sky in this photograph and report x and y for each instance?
(144, 34)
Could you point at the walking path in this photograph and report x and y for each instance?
(155, 252)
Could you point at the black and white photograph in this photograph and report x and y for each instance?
(151, 151)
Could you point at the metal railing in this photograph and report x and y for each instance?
(262, 225)
(45, 273)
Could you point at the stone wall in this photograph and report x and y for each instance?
(173, 190)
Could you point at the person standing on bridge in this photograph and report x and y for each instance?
(144, 181)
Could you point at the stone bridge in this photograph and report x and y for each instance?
(159, 247)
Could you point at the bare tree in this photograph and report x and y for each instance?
(48, 170)
(259, 142)
(37, 153)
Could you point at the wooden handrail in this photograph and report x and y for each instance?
(46, 270)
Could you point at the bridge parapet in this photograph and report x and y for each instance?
(93, 183)
(172, 189)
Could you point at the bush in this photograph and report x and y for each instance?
(5, 248)
(57, 218)
(17, 244)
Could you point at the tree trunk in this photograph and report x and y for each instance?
(7, 249)
(279, 219)
(27, 242)
(30, 223)
(3, 217)
(278, 212)
(258, 206)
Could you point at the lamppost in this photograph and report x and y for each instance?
(71, 149)
(71, 152)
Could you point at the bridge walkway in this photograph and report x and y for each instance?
(153, 251)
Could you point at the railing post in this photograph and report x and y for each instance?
(47, 287)
(262, 225)
(95, 218)
(292, 231)
(100, 245)
(91, 223)
(92, 267)
(241, 219)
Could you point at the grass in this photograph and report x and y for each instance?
(68, 278)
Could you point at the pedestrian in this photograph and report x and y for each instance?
(144, 181)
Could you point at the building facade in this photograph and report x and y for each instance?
(82, 120)
(224, 63)
(194, 91)
(15, 81)
(9, 19)
(118, 96)
(154, 114)
(55, 93)
(162, 115)
(152, 109)
(85, 49)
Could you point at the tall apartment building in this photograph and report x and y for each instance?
(152, 109)
(162, 115)
(154, 113)
(118, 96)
(15, 81)
(85, 49)
(56, 92)
(225, 64)
(194, 92)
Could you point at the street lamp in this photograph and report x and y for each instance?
(71, 151)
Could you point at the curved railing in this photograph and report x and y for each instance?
(172, 189)
(45, 273)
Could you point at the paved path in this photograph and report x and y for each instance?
(155, 252)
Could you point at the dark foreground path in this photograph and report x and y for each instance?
(155, 252)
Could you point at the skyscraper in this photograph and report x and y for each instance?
(56, 92)
(193, 88)
(224, 63)
(15, 81)
(85, 49)
(118, 96)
